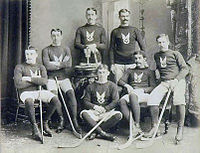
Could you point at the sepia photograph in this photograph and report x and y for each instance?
(100, 76)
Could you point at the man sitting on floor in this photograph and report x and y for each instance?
(101, 97)
(28, 77)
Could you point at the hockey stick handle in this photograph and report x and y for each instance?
(41, 119)
(63, 100)
(162, 112)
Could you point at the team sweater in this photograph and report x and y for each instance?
(122, 44)
(139, 78)
(59, 54)
(171, 65)
(90, 34)
(37, 73)
(105, 95)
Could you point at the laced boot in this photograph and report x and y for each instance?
(60, 125)
(36, 132)
(47, 129)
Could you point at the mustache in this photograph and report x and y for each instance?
(125, 20)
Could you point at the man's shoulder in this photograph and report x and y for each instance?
(47, 48)
(112, 84)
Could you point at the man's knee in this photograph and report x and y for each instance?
(117, 116)
(122, 102)
(55, 92)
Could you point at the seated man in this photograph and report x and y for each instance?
(139, 82)
(172, 69)
(101, 97)
(58, 62)
(28, 77)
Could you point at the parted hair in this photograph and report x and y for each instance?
(93, 9)
(162, 35)
(124, 11)
(56, 30)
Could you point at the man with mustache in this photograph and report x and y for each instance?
(90, 39)
(122, 45)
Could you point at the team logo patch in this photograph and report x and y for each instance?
(126, 39)
(58, 59)
(138, 77)
(100, 97)
(163, 62)
(90, 36)
(35, 74)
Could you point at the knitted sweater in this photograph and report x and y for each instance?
(139, 78)
(57, 53)
(37, 73)
(122, 44)
(105, 95)
(90, 34)
(171, 65)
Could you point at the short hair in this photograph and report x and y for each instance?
(139, 52)
(124, 11)
(56, 30)
(102, 66)
(31, 48)
(93, 9)
(162, 35)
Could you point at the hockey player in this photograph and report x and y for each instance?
(139, 82)
(122, 45)
(101, 97)
(90, 39)
(58, 62)
(28, 77)
(172, 69)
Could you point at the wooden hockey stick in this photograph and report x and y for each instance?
(94, 128)
(146, 144)
(41, 119)
(130, 139)
(78, 135)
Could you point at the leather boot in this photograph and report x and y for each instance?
(60, 125)
(47, 129)
(36, 132)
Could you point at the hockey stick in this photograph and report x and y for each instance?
(94, 128)
(41, 119)
(151, 140)
(147, 139)
(130, 139)
(78, 135)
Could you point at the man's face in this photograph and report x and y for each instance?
(140, 61)
(102, 74)
(91, 17)
(163, 43)
(56, 37)
(31, 56)
(124, 18)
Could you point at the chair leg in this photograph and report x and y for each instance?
(17, 111)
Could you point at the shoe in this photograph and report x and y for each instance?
(179, 134)
(47, 129)
(151, 132)
(107, 136)
(60, 125)
(36, 133)
(92, 136)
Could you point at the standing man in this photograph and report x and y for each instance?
(58, 62)
(90, 39)
(122, 45)
(100, 98)
(28, 77)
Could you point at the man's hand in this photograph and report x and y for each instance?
(100, 109)
(26, 78)
(57, 64)
(173, 84)
(129, 88)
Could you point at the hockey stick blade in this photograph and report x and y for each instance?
(129, 142)
(147, 139)
(94, 128)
